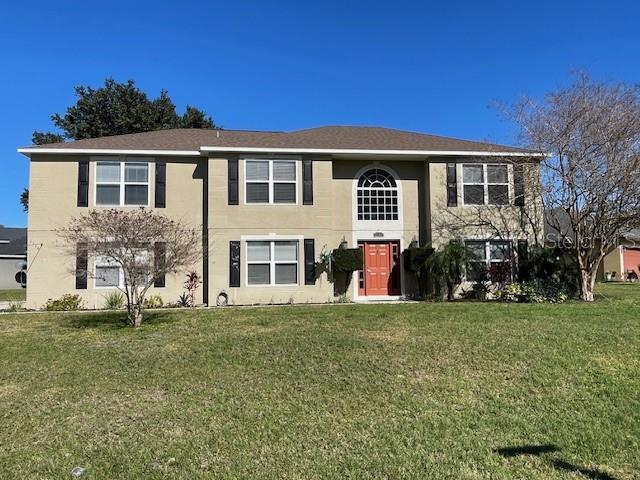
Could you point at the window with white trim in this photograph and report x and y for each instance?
(107, 273)
(122, 183)
(272, 262)
(377, 196)
(485, 184)
(270, 181)
(487, 256)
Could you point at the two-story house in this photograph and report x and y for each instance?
(269, 203)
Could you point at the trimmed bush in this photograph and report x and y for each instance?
(347, 259)
(153, 301)
(416, 257)
(531, 293)
(66, 302)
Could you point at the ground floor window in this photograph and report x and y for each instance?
(107, 273)
(272, 262)
(490, 259)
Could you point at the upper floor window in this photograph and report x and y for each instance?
(484, 184)
(377, 196)
(270, 181)
(122, 183)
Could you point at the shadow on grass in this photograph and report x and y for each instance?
(526, 450)
(587, 472)
(557, 463)
(114, 320)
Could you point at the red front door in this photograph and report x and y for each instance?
(381, 275)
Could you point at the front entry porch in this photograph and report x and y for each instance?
(380, 277)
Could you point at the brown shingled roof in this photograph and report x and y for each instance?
(330, 137)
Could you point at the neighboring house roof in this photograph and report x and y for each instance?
(13, 241)
(557, 226)
(337, 139)
(632, 235)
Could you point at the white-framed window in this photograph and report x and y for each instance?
(485, 184)
(107, 273)
(270, 181)
(377, 194)
(272, 262)
(488, 256)
(122, 183)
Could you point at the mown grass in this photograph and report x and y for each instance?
(346, 391)
(13, 295)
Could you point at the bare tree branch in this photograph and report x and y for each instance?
(129, 239)
(591, 177)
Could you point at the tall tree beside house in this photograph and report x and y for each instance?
(117, 109)
(195, 118)
(136, 247)
(24, 199)
(43, 138)
(590, 132)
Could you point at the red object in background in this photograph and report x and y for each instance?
(631, 258)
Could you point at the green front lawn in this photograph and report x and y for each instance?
(346, 391)
(13, 295)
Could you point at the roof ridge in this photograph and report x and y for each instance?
(398, 130)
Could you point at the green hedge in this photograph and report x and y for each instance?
(415, 258)
(347, 259)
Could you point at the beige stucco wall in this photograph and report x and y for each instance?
(328, 221)
(52, 203)
(480, 222)
(613, 262)
(425, 217)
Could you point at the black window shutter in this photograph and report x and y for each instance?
(307, 182)
(523, 248)
(232, 166)
(452, 185)
(309, 262)
(161, 185)
(159, 255)
(83, 184)
(523, 253)
(82, 262)
(518, 184)
(234, 263)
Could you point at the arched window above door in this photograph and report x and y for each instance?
(377, 194)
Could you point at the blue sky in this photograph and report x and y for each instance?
(434, 67)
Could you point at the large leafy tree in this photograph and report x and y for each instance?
(117, 109)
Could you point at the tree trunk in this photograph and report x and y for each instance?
(587, 281)
(135, 316)
(450, 288)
